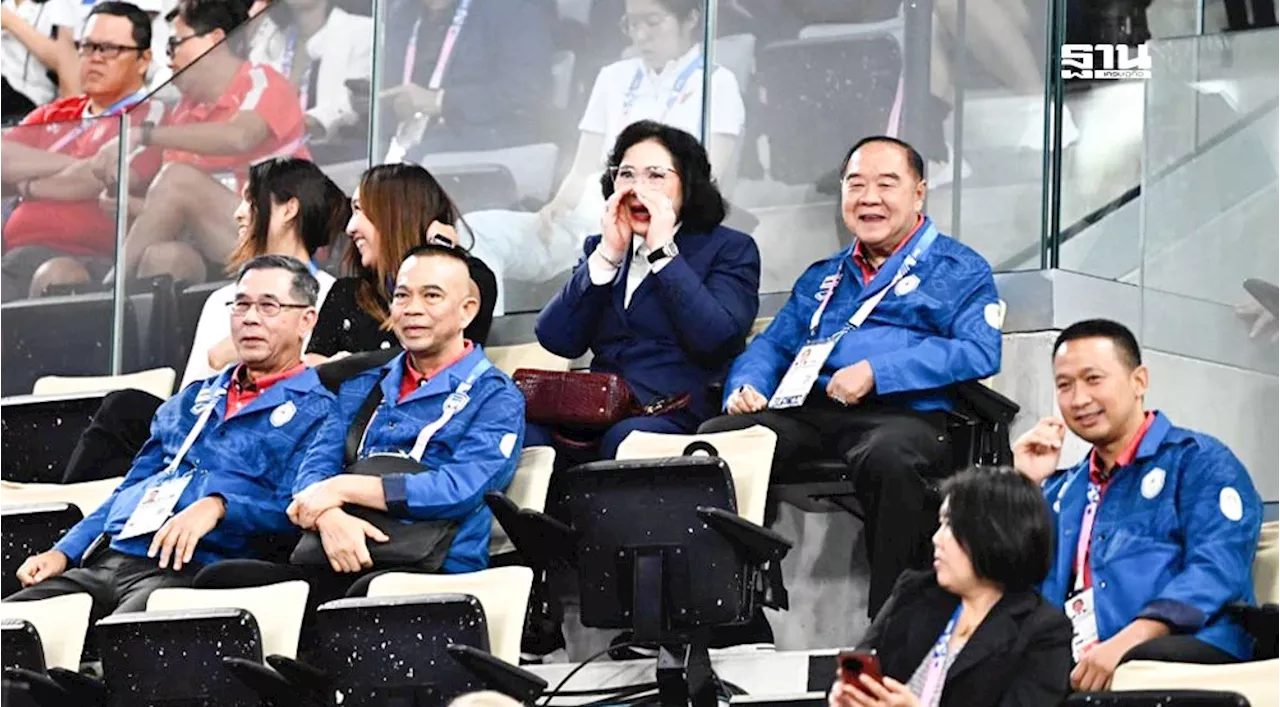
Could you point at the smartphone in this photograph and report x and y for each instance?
(855, 663)
(1265, 292)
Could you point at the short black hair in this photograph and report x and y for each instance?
(914, 161)
(682, 9)
(1125, 342)
(1000, 518)
(140, 20)
(205, 16)
(305, 287)
(703, 207)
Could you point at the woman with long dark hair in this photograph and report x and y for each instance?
(288, 207)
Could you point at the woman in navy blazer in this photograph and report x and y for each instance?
(665, 296)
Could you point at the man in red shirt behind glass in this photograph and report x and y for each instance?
(232, 114)
(59, 229)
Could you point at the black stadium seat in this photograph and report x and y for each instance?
(30, 529)
(37, 434)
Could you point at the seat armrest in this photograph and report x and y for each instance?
(306, 678)
(512, 681)
(270, 685)
(761, 545)
(1261, 622)
(80, 689)
(539, 538)
(986, 403)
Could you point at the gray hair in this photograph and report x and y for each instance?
(305, 287)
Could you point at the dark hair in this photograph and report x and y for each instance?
(1001, 520)
(682, 9)
(914, 161)
(205, 16)
(305, 287)
(140, 20)
(1124, 341)
(704, 207)
(323, 208)
(433, 249)
(400, 200)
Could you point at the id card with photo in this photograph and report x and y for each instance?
(1084, 623)
(154, 509)
(801, 376)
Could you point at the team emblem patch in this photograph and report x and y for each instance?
(455, 402)
(994, 314)
(906, 285)
(1153, 483)
(1230, 503)
(283, 413)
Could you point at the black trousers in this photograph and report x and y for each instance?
(889, 451)
(113, 438)
(1179, 649)
(116, 581)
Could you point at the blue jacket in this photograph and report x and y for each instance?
(1173, 539)
(683, 328)
(475, 452)
(249, 460)
(918, 341)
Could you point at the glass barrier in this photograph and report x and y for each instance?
(962, 80)
(59, 244)
(1209, 218)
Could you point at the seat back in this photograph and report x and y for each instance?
(86, 496)
(175, 657)
(157, 381)
(503, 592)
(1145, 682)
(61, 623)
(277, 609)
(68, 334)
(393, 650)
(510, 358)
(527, 490)
(20, 645)
(749, 454)
(39, 434)
(27, 530)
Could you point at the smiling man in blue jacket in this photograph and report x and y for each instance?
(443, 404)
(218, 470)
(1157, 526)
(858, 363)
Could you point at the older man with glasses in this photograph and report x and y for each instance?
(215, 479)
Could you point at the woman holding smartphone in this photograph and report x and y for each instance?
(974, 632)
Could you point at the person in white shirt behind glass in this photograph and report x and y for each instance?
(661, 80)
(37, 37)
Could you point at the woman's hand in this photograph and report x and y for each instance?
(615, 227)
(442, 230)
(870, 692)
(222, 354)
(662, 217)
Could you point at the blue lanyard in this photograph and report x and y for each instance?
(291, 49)
(931, 692)
(126, 102)
(311, 267)
(831, 282)
(446, 47)
(638, 78)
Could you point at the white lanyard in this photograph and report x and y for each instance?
(195, 431)
(860, 317)
(931, 693)
(453, 404)
(446, 48)
(1094, 496)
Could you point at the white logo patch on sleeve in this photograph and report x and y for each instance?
(508, 444)
(1230, 503)
(1153, 483)
(283, 413)
(994, 314)
(907, 285)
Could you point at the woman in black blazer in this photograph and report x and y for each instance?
(974, 632)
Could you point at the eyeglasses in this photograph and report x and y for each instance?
(267, 308)
(106, 49)
(629, 24)
(175, 42)
(649, 175)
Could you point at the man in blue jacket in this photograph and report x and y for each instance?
(858, 363)
(217, 472)
(1156, 528)
(443, 404)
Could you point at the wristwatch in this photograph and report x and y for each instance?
(667, 251)
(144, 132)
